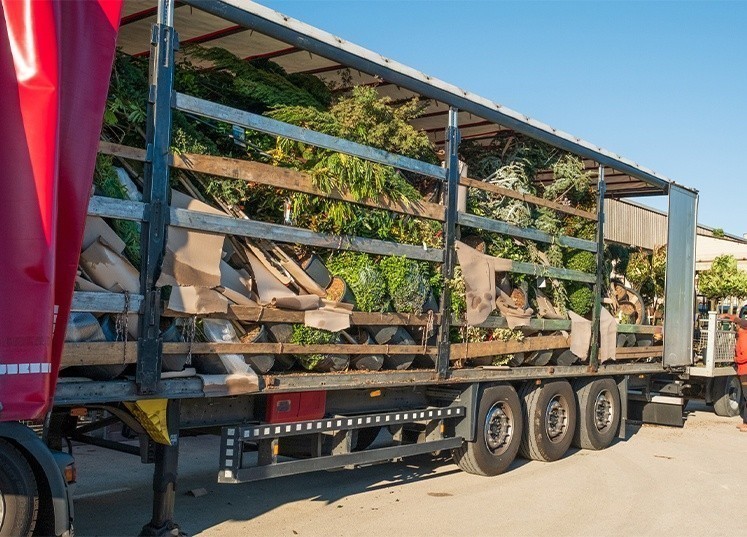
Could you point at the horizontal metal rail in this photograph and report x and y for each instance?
(248, 120)
(329, 462)
(488, 224)
(534, 269)
(261, 230)
(278, 430)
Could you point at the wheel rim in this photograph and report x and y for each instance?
(733, 392)
(556, 419)
(499, 428)
(604, 413)
(2, 509)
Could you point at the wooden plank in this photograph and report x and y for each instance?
(488, 224)
(528, 198)
(460, 351)
(112, 353)
(213, 223)
(105, 302)
(99, 353)
(115, 208)
(358, 318)
(266, 174)
(123, 151)
(639, 352)
(543, 325)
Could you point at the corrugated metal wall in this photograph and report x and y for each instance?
(634, 225)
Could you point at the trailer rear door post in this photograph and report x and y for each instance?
(679, 294)
(156, 194)
(450, 230)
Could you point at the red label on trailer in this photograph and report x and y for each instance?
(55, 63)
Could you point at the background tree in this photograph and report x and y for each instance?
(723, 280)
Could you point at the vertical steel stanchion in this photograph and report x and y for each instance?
(156, 195)
(450, 230)
(599, 285)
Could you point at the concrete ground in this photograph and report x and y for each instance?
(660, 481)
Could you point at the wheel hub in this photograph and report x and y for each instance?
(499, 428)
(603, 412)
(556, 422)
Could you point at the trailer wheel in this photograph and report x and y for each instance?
(727, 396)
(598, 413)
(498, 434)
(19, 496)
(549, 412)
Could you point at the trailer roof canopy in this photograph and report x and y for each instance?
(252, 31)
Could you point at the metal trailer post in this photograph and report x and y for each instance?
(599, 285)
(450, 230)
(710, 354)
(164, 479)
(156, 194)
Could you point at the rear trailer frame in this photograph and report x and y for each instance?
(426, 410)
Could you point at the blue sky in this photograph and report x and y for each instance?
(662, 83)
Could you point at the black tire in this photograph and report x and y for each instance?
(599, 412)
(727, 396)
(549, 412)
(498, 434)
(19, 496)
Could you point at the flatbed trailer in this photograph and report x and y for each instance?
(300, 422)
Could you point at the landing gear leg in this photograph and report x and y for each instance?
(164, 481)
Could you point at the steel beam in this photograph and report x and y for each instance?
(449, 236)
(599, 284)
(156, 195)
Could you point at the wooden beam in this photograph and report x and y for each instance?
(357, 318)
(122, 151)
(461, 351)
(274, 54)
(266, 174)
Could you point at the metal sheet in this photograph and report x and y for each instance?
(680, 281)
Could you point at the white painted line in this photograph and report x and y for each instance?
(99, 493)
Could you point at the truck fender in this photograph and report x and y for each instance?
(51, 467)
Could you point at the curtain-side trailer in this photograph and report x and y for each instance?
(453, 397)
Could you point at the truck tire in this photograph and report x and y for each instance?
(549, 412)
(19, 496)
(727, 396)
(598, 413)
(497, 435)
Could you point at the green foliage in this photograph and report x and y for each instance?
(647, 272)
(364, 277)
(407, 283)
(514, 177)
(363, 117)
(256, 86)
(723, 279)
(105, 180)
(718, 233)
(617, 255)
(581, 299)
(304, 335)
(458, 293)
(571, 183)
(583, 261)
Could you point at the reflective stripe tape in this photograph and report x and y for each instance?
(43, 368)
